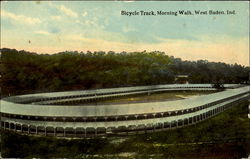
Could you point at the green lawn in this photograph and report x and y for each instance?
(225, 136)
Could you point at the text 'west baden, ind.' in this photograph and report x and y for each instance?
(176, 13)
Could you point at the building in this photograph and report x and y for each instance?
(181, 79)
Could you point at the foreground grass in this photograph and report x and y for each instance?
(224, 136)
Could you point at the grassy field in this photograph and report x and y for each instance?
(152, 97)
(224, 136)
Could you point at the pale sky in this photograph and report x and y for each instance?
(58, 26)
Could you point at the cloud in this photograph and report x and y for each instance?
(20, 18)
(84, 13)
(56, 17)
(42, 32)
(78, 37)
(68, 11)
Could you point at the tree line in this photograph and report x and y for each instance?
(27, 72)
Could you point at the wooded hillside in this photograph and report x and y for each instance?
(26, 72)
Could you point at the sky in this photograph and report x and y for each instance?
(51, 27)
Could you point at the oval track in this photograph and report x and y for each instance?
(59, 115)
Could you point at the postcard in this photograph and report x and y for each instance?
(125, 79)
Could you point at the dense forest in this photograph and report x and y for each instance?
(27, 72)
